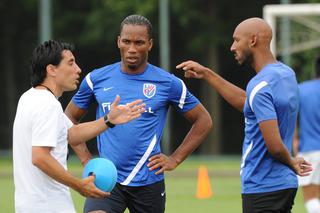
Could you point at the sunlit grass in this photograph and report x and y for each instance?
(181, 186)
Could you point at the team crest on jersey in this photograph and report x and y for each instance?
(149, 90)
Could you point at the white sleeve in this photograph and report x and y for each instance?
(46, 125)
(68, 121)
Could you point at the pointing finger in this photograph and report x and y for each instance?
(183, 64)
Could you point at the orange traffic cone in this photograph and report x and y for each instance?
(204, 187)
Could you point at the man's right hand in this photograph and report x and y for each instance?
(193, 69)
(88, 189)
(120, 114)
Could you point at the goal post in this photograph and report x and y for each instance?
(296, 35)
(270, 12)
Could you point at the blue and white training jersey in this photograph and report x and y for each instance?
(309, 117)
(271, 94)
(130, 145)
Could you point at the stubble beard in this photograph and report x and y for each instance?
(132, 67)
(248, 59)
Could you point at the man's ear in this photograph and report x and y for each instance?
(51, 71)
(118, 41)
(253, 40)
(151, 44)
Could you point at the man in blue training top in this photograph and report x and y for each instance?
(135, 148)
(307, 144)
(270, 106)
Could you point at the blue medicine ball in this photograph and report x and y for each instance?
(105, 173)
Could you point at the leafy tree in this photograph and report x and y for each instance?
(199, 29)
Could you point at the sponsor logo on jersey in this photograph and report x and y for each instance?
(106, 106)
(149, 90)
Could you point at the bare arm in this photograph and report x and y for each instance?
(42, 159)
(277, 149)
(296, 141)
(85, 131)
(118, 114)
(82, 152)
(201, 126)
(75, 114)
(231, 93)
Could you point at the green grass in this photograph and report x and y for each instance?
(181, 187)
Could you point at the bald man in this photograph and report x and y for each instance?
(270, 106)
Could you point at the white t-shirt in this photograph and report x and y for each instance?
(39, 121)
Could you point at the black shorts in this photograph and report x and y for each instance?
(278, 201)
(141, 199)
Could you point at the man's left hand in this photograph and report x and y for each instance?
(163, 162)
(302, 167)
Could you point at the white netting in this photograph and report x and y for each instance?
(304, 33)
(296, 39)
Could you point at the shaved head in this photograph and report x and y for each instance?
(251, 43)
(256, 27)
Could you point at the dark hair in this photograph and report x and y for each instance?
(49, 52)
(317, 67)
(137, 20)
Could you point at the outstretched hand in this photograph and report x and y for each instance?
(193, 69)
(120, 114)
(302, 167)
(163, 162)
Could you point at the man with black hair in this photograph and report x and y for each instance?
(307, 141)
(41, 133)
(135, 147)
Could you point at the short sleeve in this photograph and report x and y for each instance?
(68, 121)
(262, 104)
(46, 124)
(85, 96)
(180, 97)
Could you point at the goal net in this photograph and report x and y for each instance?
(296, 35)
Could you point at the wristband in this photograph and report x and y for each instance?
(107, 122)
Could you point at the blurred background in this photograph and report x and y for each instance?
(200, 30)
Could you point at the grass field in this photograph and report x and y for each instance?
(181, 187)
